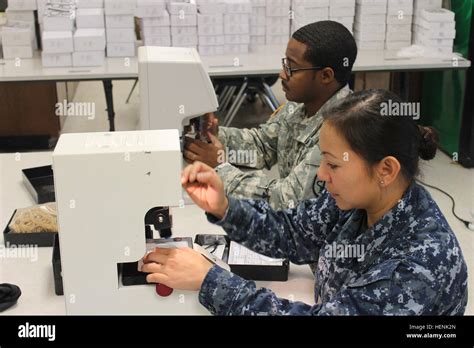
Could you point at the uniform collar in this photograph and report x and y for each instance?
(394, 224)
(316, 121)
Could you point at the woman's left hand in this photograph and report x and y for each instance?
(181, 269)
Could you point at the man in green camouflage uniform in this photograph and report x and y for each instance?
(316, 70)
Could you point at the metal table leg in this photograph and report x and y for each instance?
(108, 90)
(227, 98)
(131, 92)
(239, 99)
(222, 94)
(271, 95)
(266, 101)
(233, 112)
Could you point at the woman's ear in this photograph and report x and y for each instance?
(388, 170)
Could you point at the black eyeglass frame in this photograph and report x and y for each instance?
(289, 71)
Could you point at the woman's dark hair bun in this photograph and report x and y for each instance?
(428, 143)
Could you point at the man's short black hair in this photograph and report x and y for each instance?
(330, 44)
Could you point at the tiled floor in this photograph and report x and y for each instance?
(441, 172)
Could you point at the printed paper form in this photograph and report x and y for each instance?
(240, 255)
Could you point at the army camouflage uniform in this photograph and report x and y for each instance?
(290, 139)
(412, 264)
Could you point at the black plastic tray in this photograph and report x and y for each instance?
(40, 239)
(249, 272)
(40, 183)
(57, 269)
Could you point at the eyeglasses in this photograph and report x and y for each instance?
(289, 71)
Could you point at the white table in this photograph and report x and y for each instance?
(35, 278)
(266, 62)
(263, 63)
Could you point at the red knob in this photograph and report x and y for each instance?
(163, 290)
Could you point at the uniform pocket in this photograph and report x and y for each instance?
(315, 158)
(313, 186)
(383, 271)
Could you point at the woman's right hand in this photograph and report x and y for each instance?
(205, 188)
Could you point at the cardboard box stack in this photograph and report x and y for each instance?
(18, 36)
(399, 22)
(278, 22)
(155, 22)
(120, 27)
(237, 26)
(89, 38)
(370, 24)
(308, 11)
(258, 25)
(434, 27)
(59, 23)
(183, 18)
(343, 11)
(210, 20)
(41, 6)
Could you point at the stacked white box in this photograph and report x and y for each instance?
(59, 22)
(59, 15)
(399, 22)
(22, 16)
(90, 3)
(210, 6)
(155, 24)
(120, 27)
(343, 11)
(120, 7)
(20, 26)
(17, 41)
(183, 18)
(434, 27)
(156, 31)
(89, 38)
(210, 21)
(22, 5)
(89, 41)
(21, 13)
(41, 5)
(370, 24)
(308, 11)
(150, 8)
(426, 5)
(90, 18)
(278, 22)
(258, 25)
(237, 26)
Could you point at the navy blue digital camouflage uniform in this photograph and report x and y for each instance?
(412, 264)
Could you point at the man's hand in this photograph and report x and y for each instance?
(205, 188)
(212, 124)
(211, 154)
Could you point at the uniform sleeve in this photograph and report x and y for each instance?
(295, 234)
(391, 288)
(253, 148)
(280, 193)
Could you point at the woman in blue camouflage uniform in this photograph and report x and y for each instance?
(411, 262)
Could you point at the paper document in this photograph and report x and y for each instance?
(240, 255)
(171, 244)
